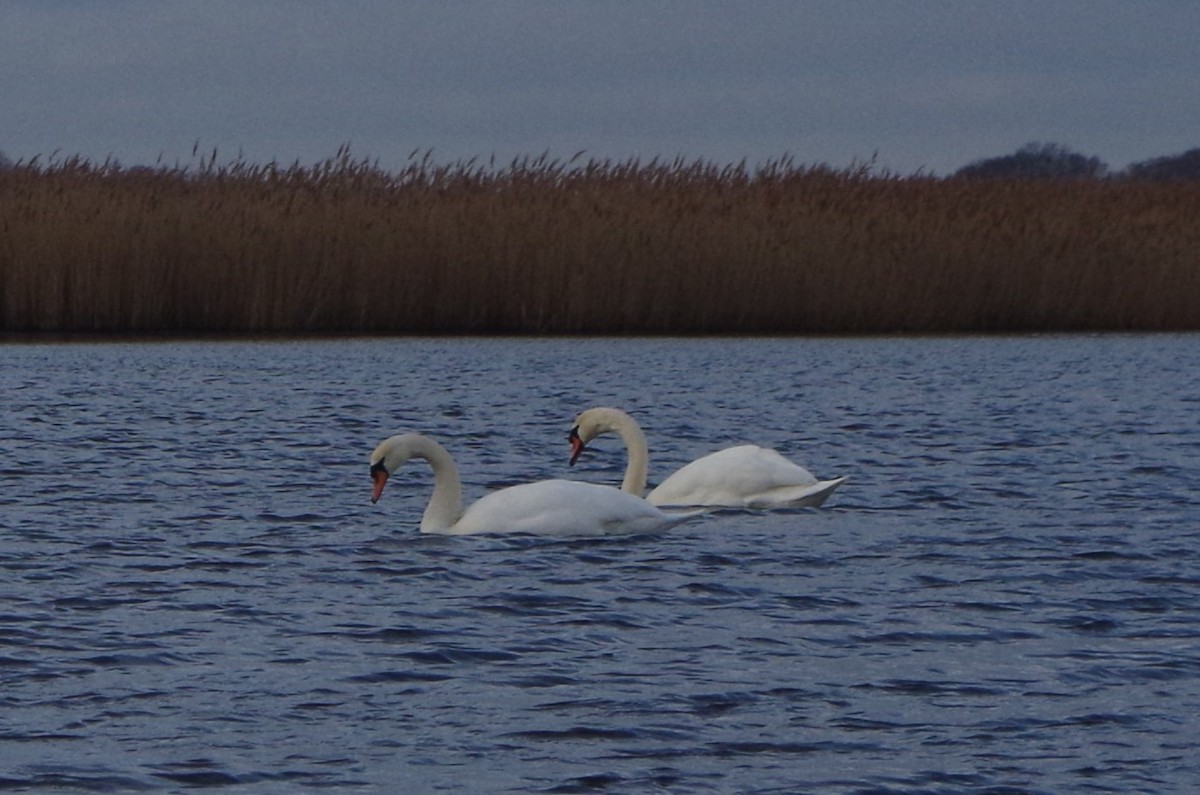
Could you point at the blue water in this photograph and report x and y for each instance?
(195, 590)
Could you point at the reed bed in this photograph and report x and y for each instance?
(539, 246)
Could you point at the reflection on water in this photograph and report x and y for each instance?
(198, 592)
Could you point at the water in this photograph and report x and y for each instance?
(1004, 598)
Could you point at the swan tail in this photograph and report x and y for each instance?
(810, 496)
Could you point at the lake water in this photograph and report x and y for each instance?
(1004, 598)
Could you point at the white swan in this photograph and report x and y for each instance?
(746, 476)
(559, 507)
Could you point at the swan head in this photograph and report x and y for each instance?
(589, 425)
(387, 457)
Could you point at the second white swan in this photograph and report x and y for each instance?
(746, 476)
(557, 507)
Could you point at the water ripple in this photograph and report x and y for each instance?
(1003, 599)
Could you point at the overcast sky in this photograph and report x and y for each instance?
(921, 84)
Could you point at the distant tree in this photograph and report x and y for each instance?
(1036, 161)
(5, 163)
(1185, 166)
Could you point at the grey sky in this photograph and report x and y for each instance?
(929, 84)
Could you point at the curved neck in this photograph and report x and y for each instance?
(635, 446)
(445, 506)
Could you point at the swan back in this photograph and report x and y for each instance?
(746, 476)
(563, 507)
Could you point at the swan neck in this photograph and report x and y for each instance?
(445, 506)
(639, 455)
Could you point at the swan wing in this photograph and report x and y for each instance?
(563, 507)
(746, 476)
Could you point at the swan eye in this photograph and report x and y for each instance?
(378, 467)
(573, 436)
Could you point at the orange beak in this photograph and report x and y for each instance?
(379, 477)
(576, 446)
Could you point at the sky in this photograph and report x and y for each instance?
(916, 86)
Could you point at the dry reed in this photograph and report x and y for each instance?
(579, 247)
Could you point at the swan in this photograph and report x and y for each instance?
(746, 476)
(560, 507)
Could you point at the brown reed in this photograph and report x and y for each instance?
(540, 246)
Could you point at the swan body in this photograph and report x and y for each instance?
(548, 507)
(746, 476)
